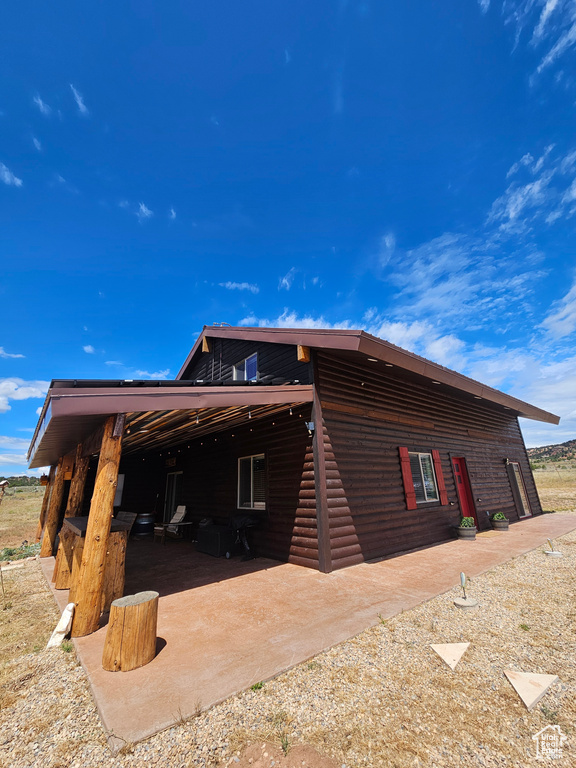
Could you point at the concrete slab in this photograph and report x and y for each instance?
(451, 653)
(224, 625)
(530, 686)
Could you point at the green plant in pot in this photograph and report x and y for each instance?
(467, 528)
(499, 521)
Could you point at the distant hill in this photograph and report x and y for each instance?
(559, 452)
(21, 480)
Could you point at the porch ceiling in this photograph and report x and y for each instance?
(157, 417)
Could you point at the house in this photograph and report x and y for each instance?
(342, 446)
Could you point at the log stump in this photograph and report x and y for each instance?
(131, 636)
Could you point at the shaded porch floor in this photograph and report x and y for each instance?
(224, 625)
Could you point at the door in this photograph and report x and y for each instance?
(172, 498)
(464, 490)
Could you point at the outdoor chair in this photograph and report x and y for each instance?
(173, 529)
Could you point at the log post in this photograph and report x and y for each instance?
(76, 495)
(114, 571)
(53, 513)
(45, 503)
(77, 551)
(88, 593)
(64, 559)
(131, 635)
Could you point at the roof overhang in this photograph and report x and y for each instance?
(362, 343)
(72, 414)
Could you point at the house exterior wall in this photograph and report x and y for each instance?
(370, 413)
(287, 529)
(276, 360)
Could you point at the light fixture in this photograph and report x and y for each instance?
(388, 365)
(310, 427)
(197, 419)
(249, 413)
(477, 397)
(372, 359)
(290, 411)
(144, 430)
(435, 382)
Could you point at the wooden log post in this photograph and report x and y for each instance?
(76, 495)
(77, 551)
(131, 635)
(53, 513)
(88, 592)
(114, 571)
(64, 559)
(45, 502)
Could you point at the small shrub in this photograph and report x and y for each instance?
(499, 516)
(257, 686)
(525, 627)
(467, 522)
(67, 646)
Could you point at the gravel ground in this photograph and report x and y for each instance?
(383, 698)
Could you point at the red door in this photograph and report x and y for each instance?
(464, 490)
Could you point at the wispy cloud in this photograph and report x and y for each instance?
(42, 106)
(561, 320)
(252, 287)
(285, 283)
(156, 375)
(37, 143)
(8, 355)
(172, 214)
(15, 459)
(17, 389)
(143, 212)
(14, 443)
(89, 349)
(113, 362)
(484, 5)
(82, 108)
(291, 319)
(8, 177)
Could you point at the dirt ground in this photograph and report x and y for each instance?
(19, 513)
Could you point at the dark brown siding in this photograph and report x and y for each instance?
(368, 414)
(287, 530)
(276, 360)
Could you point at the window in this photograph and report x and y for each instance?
(252, 482)
(423, 477)
(247, 370)
(519, 489)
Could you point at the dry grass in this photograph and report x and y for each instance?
(556, 487)
(19, 514)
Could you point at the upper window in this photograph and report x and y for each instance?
(247, 370)
(423, 477)
(252, 482)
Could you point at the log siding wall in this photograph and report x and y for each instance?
(368, 414)
(277, 360)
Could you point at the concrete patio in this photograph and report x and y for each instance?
(224, 624)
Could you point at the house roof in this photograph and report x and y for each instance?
(74, 409)
(365, 345)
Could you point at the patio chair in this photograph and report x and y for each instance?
(173, 528)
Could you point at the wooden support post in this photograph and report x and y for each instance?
(45, 502)
(113, 585)
(64, 559)
(76, 495)
(88, 593)
(51, 525)
(206, 344)
(131, 635)
(77, 551)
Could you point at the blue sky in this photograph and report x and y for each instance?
(407, 168)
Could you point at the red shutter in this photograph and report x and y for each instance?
(407, 478)
(439, 477)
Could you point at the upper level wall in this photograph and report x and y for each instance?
(368, 414)
(276, 360)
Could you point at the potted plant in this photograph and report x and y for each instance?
(467, 528)
(499, 521)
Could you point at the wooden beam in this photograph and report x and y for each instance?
(45, 502)
(53, 513)
(303, 354)
(88, 593)
(76, 494)
(206, 344)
